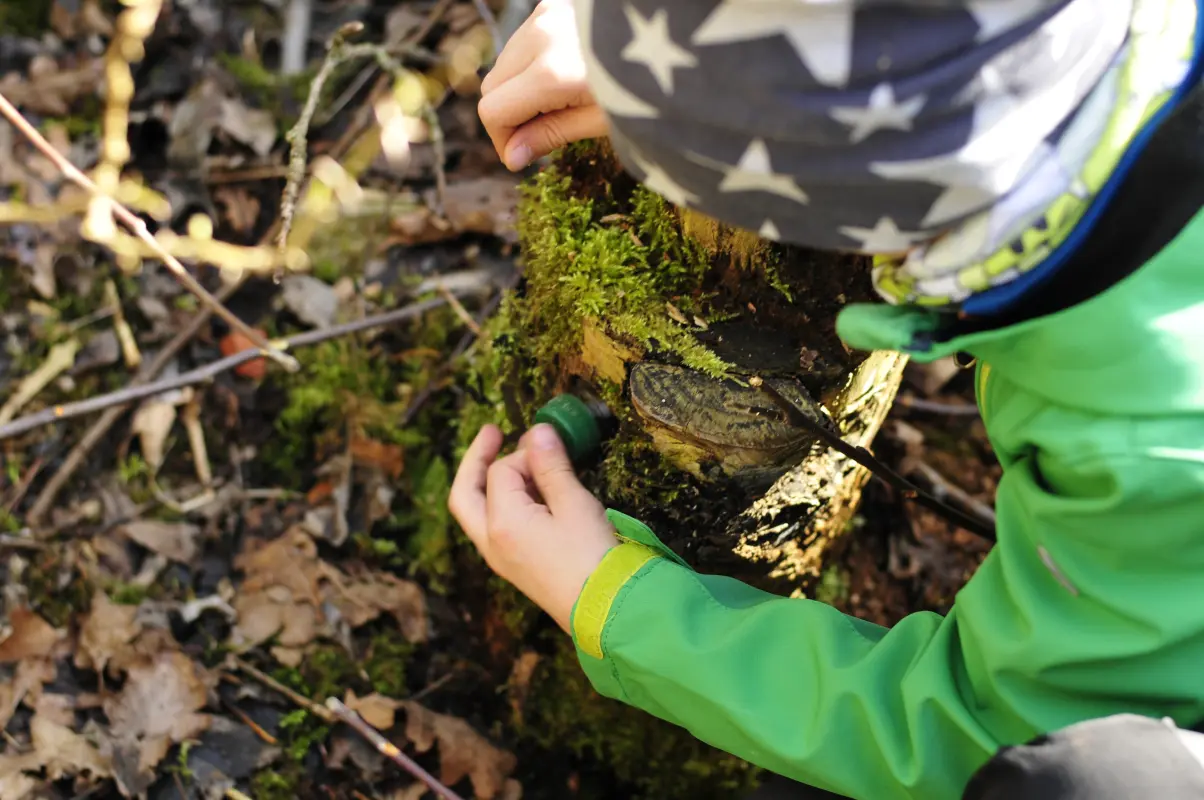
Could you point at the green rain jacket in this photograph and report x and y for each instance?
(1091, 603)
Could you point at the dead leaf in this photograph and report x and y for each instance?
(157, 707)
(26, 685)
(45, 89)
(57, 708)
(60, 358)
(376, 709)
(173, 540)
(31, 637)
(675, 313)
(520, 680)
(108, 631)
(242, 207)
(462, 751)
(152, 422)
(363, 598)
(313, 301)
(280, 594)
(64, 752)
(253, 127)
(370, 453)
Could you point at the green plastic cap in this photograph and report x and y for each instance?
(574, 423)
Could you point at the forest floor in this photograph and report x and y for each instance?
(187, 579)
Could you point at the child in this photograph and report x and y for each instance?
(1029, 174)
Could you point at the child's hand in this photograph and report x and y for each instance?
(531, 519)
(535, 99)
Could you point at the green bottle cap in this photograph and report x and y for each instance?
(574, 423)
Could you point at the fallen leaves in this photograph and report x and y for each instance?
(158, 706)
(462, 752)
(364, 598)
(25, 686)
(175, 541)
(45, 88)
(107, 632)
(31, 637)
(57, 751)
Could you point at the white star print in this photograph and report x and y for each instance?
(769, 231)
(885, 237)
(608, 92)
(754, 173)
(659, 181)
(882, 112)
(652, 46)
(997, 16)
(822, 35)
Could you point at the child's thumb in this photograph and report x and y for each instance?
(552, 470)
(550, 132)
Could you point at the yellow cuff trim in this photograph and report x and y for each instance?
(601, 589)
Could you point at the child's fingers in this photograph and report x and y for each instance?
(466, 501)
(524, 97)
(554, 475)
(506, 489)
(550, 132)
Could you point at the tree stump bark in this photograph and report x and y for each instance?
(613, 275)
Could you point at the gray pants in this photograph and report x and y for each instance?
(1114, 758)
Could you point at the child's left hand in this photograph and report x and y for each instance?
(531, 519)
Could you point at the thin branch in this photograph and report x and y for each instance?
(942, 487)
(387, 748)
(149, 372)
(971, 522)
(937, 407)
(139, 229)
(317, 709)
(135, 392)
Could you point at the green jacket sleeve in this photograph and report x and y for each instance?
(1090, 604)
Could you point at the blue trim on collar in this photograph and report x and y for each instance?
(1001, 298)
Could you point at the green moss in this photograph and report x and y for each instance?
(127, 594)
(26, 17)
(283, 95)
(658, 760)
(833, 586)
(282, 783)
(385, 662)
(57, 590)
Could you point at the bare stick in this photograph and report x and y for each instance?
(317, 709)
(937, 407)
(139, 229)
(80, 452)
(140, 391)
(387, 748)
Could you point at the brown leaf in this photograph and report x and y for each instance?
(157, 708)
(45, 89)
(370, 453)
(31, 637)
(363, 598)
(172, 540)
(152, 421)
(462, 751)
(242, 207)
(520, 680)
(377, 710)
(64, 752)
(108, 631)
(26, 685)
(280, 593)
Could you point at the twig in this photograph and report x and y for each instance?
(317, 709)
(461, 312)
(982, 527)
(139, 229)
(149, 372)
(298, 136)
(490, 21)
(388, 749)
(942, 487)
(937, 407)
(141, 391)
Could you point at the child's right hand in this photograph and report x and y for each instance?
(535, 99)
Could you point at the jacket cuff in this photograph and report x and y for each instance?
(638, 552)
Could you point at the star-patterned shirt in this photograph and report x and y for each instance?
(960, 141)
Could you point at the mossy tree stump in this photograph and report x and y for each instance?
(614, 275)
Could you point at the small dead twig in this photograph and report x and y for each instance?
(317, 709)
(937, 407)
(461, 312)
(387, 748)
(942, 487)
(141, 232)
(140, 391)
(149, 372)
